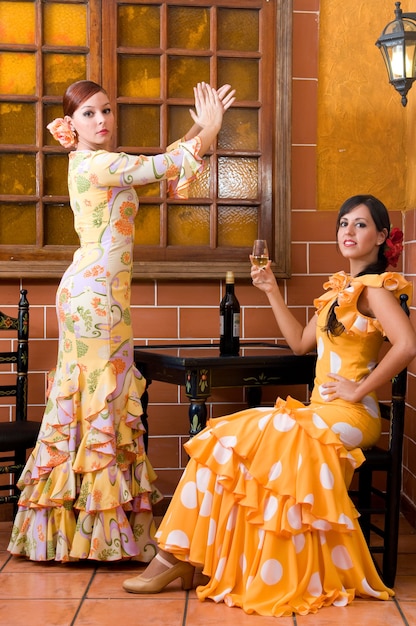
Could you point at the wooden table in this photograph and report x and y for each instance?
(200, 369)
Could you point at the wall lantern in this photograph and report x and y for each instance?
(397, 43)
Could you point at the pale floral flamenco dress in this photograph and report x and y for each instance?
(263, 502)
(88, 487)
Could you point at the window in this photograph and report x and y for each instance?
(148, 55)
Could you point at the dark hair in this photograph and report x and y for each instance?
(77, 93)
(381, 219)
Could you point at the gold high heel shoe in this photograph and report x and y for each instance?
(181, 569)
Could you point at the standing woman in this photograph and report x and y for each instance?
(87, 488)
(263, 504)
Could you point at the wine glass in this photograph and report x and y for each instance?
(260, 253)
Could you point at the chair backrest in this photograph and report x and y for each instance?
(17, 356)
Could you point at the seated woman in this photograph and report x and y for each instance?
(263, 504)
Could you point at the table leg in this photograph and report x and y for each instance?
(197, 415)
(253, 396)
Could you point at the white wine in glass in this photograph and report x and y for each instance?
(260, 252)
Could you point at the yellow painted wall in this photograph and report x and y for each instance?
(363, 144)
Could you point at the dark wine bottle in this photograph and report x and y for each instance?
(229, 320)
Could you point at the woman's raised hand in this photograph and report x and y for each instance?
(209, 108)
(226, 96)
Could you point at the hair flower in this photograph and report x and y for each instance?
(61, 130)
(393, 246)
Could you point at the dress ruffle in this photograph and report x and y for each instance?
(272, 540)
(348, 289)
(77, 487)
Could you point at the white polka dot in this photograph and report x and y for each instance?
(300, 461)
(263, 421)
(249, 581)
(188, 495)
(202, 479)
(221, 596)
(206, 506)
(220, 568)
(322, 538)
(326, 477)
(309, 499)
(283, 422)
(344, 519)
(228, 600)
(232, 518)
(243, 563)
(299, 542)
(271, 572)
(293, 517)
(221, 454)
(319, 422)
(204, 434)
(349, 435)
(341, 558)
(321, 524)
(342, 601)
(335, 363)
(270, 508)
(262, 536)
(177, 538)
(320, 347)
(371, 405)
(212, 531)
(315, 586)
(360, 323)
(275, 470)
(369, 590)
(218, 486)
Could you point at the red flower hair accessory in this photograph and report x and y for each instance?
(393, 246)
(61, 130)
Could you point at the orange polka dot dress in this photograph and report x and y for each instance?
(263, 502)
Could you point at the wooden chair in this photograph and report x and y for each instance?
(379, 507)
(18, 435)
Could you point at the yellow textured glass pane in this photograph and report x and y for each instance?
(17, 73)
(239, 130)
(237, 226)
(138, 26)
(243, 74)
(17, 224)
(56, 175)
(139, 125)
(18, 174)
(199, 188)
(237, 178)
(238, 29)
(150, 190)
(50, 112)
(65, 24)
(179, 121)
(60, 70)
(184, 73)
(188, 226)
(17, 123)
(59, 226)
(147, 222)
(139, 76)
(188, 28)
(17, 22)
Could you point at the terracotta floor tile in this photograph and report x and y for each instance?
(53, 585)
(405, 588)
(409, 611)
(38, 612)
(134, 611)
(208, 613)
(359, 613)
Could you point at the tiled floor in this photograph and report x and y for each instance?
(82, 594)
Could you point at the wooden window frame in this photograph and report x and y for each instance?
(51, 261)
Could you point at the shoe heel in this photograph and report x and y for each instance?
(188, 579)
